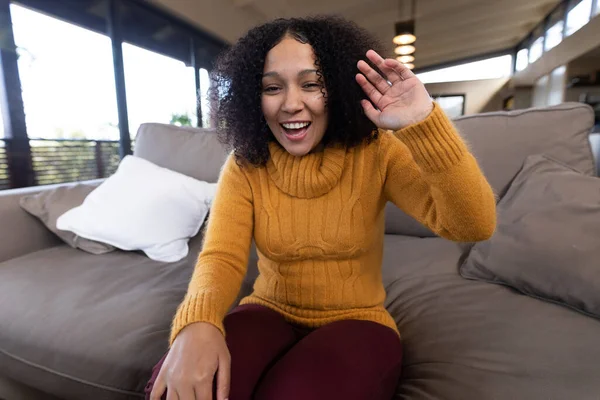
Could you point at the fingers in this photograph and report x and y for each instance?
(373, 76)
(203, 392)
(223, 377)
(399, 68)
(390, 72)
(187, 393)
(172, 395)
(368, 88)
(370, 111)
(159, 387)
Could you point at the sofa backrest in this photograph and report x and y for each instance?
(191, 151)
(502, 140)
(499, 140)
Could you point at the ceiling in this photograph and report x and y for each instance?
(447, 30)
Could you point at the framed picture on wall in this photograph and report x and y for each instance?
(452, 104)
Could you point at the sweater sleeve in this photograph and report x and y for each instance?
(429, 173)
(222, 263)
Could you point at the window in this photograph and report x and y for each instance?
(556, 25)
(549, 89)
(159, 89)
(597, 8)
(1, 122)
(554, 35)
(66, 77)
(4, 179)
(540, 92)
(557, 82)
(496, 67)
(68, 89)
(536, 50)
(522, 59)
(453, 105)
(578, 16)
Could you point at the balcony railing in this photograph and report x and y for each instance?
(65, 160)
(4, 178)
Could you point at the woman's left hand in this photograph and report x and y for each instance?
(401, 102)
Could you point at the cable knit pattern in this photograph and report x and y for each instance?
(305, 177)
(318, 224)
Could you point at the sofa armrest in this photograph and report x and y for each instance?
(20, 232)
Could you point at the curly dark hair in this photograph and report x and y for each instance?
(236, 87)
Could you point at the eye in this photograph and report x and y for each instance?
(270, 89)
(311, 85)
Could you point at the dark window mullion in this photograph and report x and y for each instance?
(114, 32)
(194, 62)
(11, 102)
(568, 7)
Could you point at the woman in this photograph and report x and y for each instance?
(321, 142)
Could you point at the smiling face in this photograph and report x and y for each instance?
(292, 97)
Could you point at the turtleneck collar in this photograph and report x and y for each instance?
(308, 176)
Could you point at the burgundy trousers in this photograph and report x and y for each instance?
(272, 359)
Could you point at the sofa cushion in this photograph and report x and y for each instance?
(501, 141)
(91, 327)
(81, 326)
(465, 339)
(49, 205)
(547, 243)
(191, 151)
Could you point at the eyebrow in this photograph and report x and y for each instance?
(303, 72)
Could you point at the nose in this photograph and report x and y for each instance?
(292, 103)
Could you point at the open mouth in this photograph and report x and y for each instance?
(295, 131)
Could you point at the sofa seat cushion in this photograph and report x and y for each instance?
(466, 339)
(80, 326)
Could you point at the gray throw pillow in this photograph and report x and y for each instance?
(547, 242)
(48, 205)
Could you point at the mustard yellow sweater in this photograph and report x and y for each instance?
(318, 224)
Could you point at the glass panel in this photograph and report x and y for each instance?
(536, 50)
(1, 123)
(66, 77)
(204, 101)
(578, 16)
(540, 91)
(522, 59)
(452, 105)
(556, 88)
(491, 68)
(159, 89)
(554, 35)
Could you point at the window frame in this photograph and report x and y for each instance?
(200, 51)
(559, 12)
(463, 95)
(570, 5)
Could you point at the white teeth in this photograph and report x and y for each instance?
(296, 125)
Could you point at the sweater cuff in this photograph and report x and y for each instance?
(201, 307)
(434, 142)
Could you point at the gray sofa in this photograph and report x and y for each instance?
(80, 326)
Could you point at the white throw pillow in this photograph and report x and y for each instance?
(143, 207)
